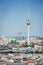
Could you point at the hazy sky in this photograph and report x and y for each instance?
(15, 13)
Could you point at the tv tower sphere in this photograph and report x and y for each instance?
(28, 23)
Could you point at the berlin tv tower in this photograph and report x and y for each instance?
(28, 24)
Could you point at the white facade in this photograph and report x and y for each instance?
(28, 23)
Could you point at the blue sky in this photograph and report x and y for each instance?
(15, 13)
